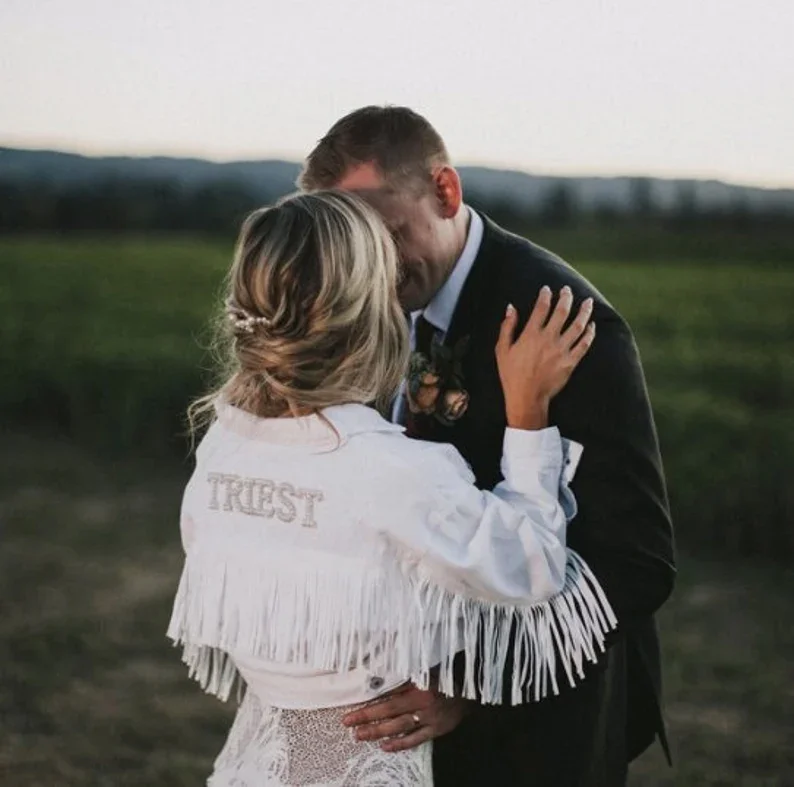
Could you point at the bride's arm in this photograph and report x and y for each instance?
(507, 545)
(497, 562)
(491, 572)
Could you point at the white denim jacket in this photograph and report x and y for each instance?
(330, 558)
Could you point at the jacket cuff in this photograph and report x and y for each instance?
(527, 452)
(533, 443)
(543, 446)
(525, 449)
(571, 456)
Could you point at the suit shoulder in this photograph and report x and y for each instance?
(525, 266)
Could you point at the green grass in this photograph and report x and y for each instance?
(93, 696)
(715, 342)
(101, 349)
(103, 336)
(102, 343)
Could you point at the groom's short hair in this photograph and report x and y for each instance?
(400, 142)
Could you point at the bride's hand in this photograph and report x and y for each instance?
(535, 367)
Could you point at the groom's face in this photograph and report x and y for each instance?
(424, 236)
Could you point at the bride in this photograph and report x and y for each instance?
(331, 559)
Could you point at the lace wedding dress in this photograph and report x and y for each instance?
(279, 747)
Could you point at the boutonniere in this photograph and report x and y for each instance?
(435, 384)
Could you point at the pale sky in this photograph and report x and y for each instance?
(701, 88)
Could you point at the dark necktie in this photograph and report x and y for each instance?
(424, 332)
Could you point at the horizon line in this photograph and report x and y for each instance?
(291, 158)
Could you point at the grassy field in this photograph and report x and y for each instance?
(93, 696)
(101, 348)
(102, 342)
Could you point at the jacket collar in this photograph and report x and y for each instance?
(353, 419)
(330, 429)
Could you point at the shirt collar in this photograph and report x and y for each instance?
(440, 310)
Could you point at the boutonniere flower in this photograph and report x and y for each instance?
(435, 384)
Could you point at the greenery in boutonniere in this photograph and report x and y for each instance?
(435, 384)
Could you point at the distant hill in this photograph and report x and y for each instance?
(266, 179)
(269, 179)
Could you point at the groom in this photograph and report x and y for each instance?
(460, 272)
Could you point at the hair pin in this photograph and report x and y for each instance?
(246, 322)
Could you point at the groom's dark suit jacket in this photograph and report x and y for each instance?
(585, 736)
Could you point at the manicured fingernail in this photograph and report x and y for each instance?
(566, 290)
(511, 310)
(545, 290)
(588, 304)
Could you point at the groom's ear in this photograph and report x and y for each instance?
(448, 191)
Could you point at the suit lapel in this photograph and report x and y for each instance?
(475, 290)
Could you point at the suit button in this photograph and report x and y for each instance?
(376, 682)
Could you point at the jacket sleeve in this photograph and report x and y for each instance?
(504, 546)
(623, 529)
(492, 564)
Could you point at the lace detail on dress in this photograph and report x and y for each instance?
(279, 747)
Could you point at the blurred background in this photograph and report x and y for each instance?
(648, 143)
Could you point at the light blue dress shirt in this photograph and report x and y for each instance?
(441, 309)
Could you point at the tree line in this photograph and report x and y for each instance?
(130, 205)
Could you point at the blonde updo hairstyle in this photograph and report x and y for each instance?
(311, 317)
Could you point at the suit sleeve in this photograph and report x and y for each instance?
(623, 529)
